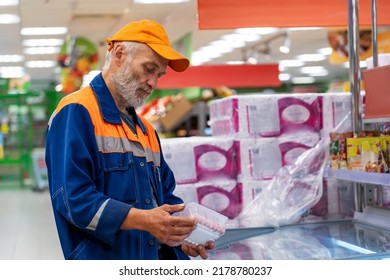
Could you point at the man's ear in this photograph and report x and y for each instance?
(118, 52)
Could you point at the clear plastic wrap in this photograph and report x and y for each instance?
(288, 244)
(292, 191)
(210, 224)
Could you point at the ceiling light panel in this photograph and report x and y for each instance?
(325, 51)
(11, 58)
(44, 31)
(284, 76)
(303, 80)
(311, 57)
(41, 64)
(41, 50)
(312, 69)
(257, 30)
(9, 19)
(12, 72)
(291, 63)
(43, 42)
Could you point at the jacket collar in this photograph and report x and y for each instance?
(108, 109)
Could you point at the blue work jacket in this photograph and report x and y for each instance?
(98, 170)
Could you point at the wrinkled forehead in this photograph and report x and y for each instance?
(145, 54)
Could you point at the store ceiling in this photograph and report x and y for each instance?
(97, 20)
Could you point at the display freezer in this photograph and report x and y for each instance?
(330, 240)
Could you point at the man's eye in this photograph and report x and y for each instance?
(148, 69)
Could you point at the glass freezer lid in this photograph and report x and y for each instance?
(344, 239)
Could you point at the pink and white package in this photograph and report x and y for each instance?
(279, 114)
(300, 112)
(187, 192)
(261, 158)
(244, 116)
(265, 115)
(224, 116)
(293, 145)
(179, 155)
(197, 158)
(336, 115)
(258, 158)
(224, 197)
(214, 161)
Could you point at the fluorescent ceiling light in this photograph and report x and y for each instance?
(9, 19)
(323, 73)
(11, 58)
(41, 50)
(9, 2)
(325, 51)
(285, 47)
(312, 69)
(222, 46)
(12, 72)
(43, 42)
(290, 63)
(234, 44)
(252, 60)
(235, 62)
(241, 37)
(199, 57)
(159, 1)
(210, 51)
(257, 30)
(303, 80)
(284, 76)
(41, 64)
(311, 57)
(44, 31)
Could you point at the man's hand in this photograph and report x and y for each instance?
(168, 229)
(200, 250)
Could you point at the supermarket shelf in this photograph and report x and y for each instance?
(200, 111)
(358, 176)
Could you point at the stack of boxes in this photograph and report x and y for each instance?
(253, 137)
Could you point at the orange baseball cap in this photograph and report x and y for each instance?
(152, 34)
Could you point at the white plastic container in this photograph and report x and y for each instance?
(210, 224)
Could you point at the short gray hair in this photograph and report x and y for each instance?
(130, 48)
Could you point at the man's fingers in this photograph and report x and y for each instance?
(173, 208)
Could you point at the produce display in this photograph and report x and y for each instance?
(77, 58)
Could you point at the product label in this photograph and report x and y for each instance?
(296, 114)
(212, 161)
(263, 118)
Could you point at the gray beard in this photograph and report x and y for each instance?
(126, 89)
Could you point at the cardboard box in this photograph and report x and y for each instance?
(177, 113)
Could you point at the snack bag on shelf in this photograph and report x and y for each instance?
(368, 154)
(354, 158)
(338, 149)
